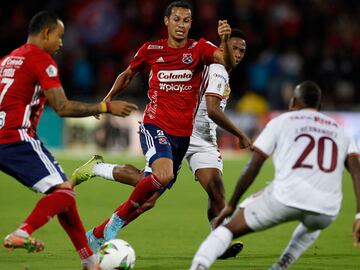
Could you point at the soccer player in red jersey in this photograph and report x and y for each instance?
(176, 66)
(28, 78)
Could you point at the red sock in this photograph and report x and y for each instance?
(141, 193)
(47, 207)
(134, 215)
(71, 222)
(99, 230)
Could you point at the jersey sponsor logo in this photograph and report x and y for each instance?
(51, 71)
(160, 60)
(182, 75)
(155, 47)
(174, 87)
(187, 58)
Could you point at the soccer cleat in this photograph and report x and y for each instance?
(283, 263)
(13, 241)
(94, 242)
(113, 226)
(233, 250)
(85, 171)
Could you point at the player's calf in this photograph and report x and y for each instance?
(13, 241)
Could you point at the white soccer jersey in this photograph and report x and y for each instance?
(216, 83)
(309, 151)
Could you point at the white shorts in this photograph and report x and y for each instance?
(262, 210)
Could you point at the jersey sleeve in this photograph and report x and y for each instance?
(218, 78)
(207, 50)
(139, 63)
(265, 143)
(47, 72)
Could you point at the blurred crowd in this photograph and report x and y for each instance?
(287, 41)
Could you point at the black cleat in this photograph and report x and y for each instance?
(234, 249)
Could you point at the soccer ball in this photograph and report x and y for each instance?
(117, 254)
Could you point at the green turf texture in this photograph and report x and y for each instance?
(167, 237)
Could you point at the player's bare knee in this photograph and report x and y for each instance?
(66, 185)
(164, 177)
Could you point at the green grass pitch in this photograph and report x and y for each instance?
(167, 237)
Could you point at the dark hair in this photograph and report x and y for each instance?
(181, 3)
(237, 33)
(41, 20)
(310, 94)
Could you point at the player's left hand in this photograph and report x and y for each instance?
(224, 30)
(356, 233)
(244, 141)
(228, 210)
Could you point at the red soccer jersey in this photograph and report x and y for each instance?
(24, 74)
(174, 82)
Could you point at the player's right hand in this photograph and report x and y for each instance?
(228, 210)
(356, 233)
(224, 30)
(122, 108)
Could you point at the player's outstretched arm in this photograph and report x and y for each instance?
(219, 117)
(353, 166)
(121, 82)
(69, 108)
(225, 57)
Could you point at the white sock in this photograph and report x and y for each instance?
(104, 170)
(300, 241)
(213, 247)
(21, 233)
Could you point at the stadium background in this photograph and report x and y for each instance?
(287, 42)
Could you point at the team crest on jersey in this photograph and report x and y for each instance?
(51, 71)
(187, 58)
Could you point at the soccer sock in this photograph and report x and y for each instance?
(213, 247)
(104, 170)
(141, 193)
(134, 215)
(131, 209)
(300, 241)
(46, 208)
(71, 222)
